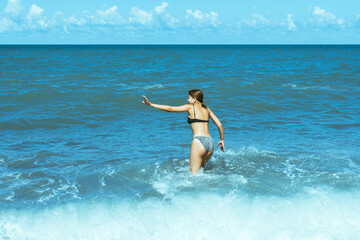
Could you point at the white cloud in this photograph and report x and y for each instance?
(291, 24)
(11, 20)
(35, 19)
(13, 7)
(357, 21)
(109, 12)
(139, 19)
(164, 20)
(101, 17)
(5, 24)
(156, 19)
(160, 9)
(88, 22)
(325, 18)
(257, 21)
(73, 20)
(35, 11)
(198, 18)
(141, 16)
(171, 21)
(109, 16)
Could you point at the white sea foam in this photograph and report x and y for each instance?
(302, 87)
(10, 197)
(154, 86)
(314, 214)
(108, 172)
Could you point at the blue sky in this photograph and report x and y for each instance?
(180, 22)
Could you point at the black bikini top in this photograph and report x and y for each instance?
(193, 120)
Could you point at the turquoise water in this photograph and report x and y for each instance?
(82, 158)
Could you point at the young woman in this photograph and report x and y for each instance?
(202, 146)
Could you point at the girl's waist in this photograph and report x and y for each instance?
(201, 135)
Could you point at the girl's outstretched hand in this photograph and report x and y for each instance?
(222, 145)
(146, 101)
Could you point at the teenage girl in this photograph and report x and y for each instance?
(202, 146)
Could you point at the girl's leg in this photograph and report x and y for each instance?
(197, 153)
(206, 158)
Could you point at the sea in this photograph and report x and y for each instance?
(81, 157)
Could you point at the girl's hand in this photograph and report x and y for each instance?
(146, 101)
(222, 145)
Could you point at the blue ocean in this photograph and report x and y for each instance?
(81, 157)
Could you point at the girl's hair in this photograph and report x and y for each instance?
(198, 94)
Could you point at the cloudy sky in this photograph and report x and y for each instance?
(181, 21)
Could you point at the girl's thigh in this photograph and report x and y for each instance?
(197, 153)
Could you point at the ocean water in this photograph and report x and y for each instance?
(82, 158)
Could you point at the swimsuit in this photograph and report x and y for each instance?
(190, 120)
(206, 141)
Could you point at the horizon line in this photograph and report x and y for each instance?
(176, 44)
